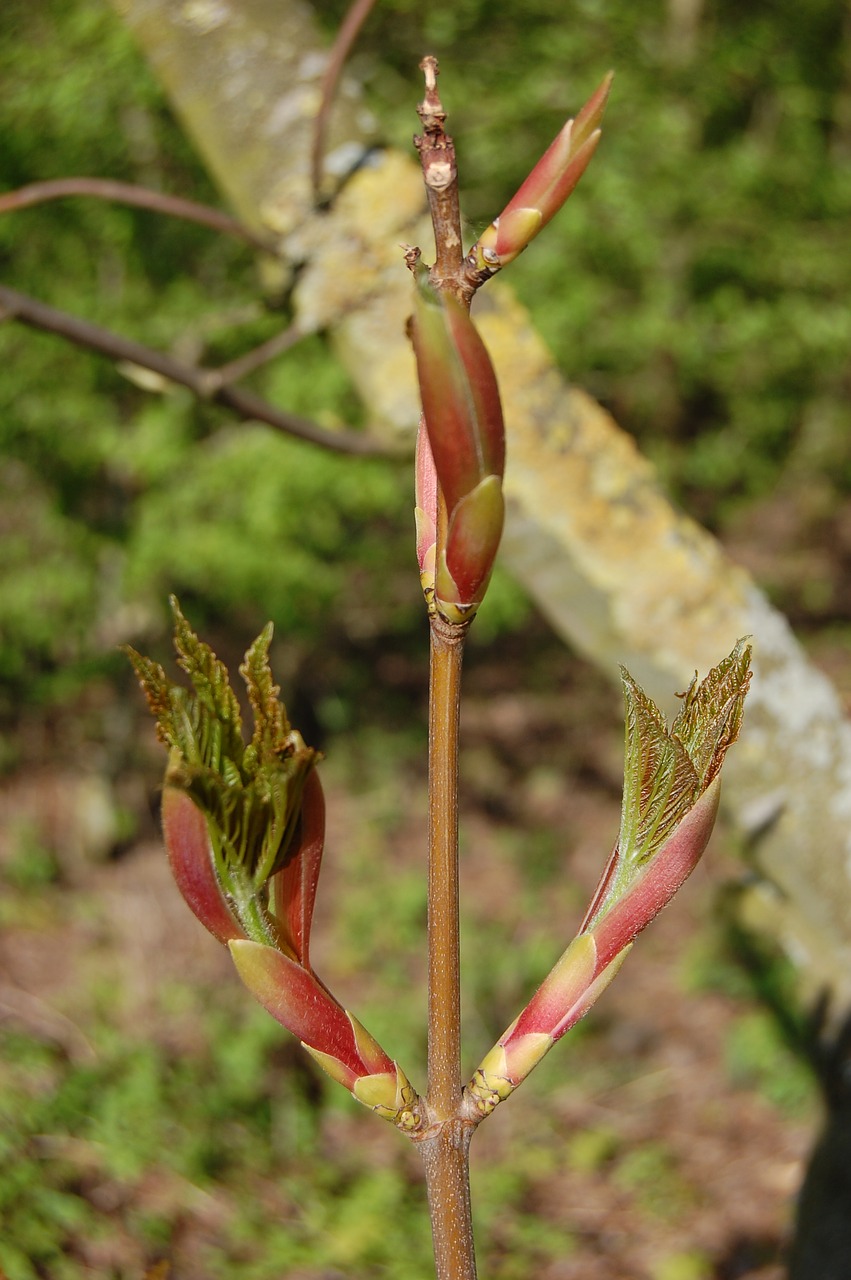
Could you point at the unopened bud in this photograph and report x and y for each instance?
(545, 190)
(461, 454)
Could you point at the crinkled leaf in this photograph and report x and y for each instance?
(711, 715)
(666, 771)
(660, 781)
(216, 719)
(271, 727)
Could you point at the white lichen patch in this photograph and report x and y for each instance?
(204, 16)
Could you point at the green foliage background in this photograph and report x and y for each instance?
(697, 284)
(113, 496)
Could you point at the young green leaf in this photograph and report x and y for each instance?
(250, 796)
(670, 802)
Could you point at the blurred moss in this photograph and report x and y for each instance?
(758, 1057)
(694, 1264)
(591, 1149)
(650, 1174)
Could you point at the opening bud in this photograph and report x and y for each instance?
(670, 801)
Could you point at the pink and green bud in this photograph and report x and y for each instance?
(459, 393)
(296, 998)
(190, 857)
(666, 773)
(670, 802)
(248, 795)
(461, 454)
(472, 540)
(614, 927)
(426, 512)
(545, 190)
(244, 826)
(292, 890)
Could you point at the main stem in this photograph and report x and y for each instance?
(445, 1150)
(444, 968)
(445, 1145)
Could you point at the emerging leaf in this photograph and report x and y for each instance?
(666, 771)
(250, 795)
(711, 715)
(670, 801)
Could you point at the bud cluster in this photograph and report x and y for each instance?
(244, 827)
(461, 442)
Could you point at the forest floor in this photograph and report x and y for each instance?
(160, 1125)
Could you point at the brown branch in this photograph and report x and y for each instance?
(445, 1154)
(139, 197)
(445, 1151)
(254, 359)
(445, 1146)
(444, 984)
(357, 15)
(38, 315)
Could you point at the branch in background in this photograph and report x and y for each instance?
(253, 359)
(139, 197)
(38, 315)
(357, 15)
(173, 206)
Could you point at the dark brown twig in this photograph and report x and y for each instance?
(38, 315)
(357, 15)
(255, 358)
(139, 197)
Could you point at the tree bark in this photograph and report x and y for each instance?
(616, 569)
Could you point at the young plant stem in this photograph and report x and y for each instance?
(445, 1149)
(444, 998)
(446, 1159)
(445, 1145)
